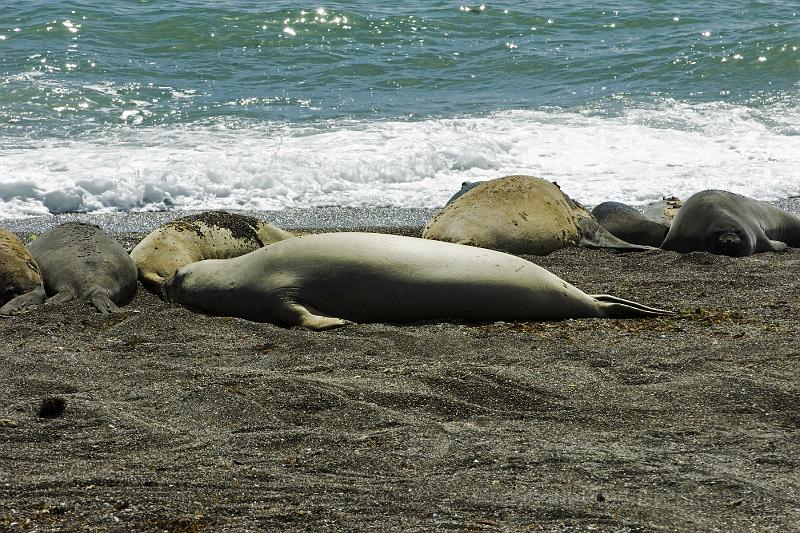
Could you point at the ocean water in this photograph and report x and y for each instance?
(146, 105)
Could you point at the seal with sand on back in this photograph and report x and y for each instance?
(21, 285)
(522, 215)
(210, 235)
(79, 261)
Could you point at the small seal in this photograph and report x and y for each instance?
(327, 280)
(522, 215)
(629, 224)
(79, 261)
(210, 235)
(664, 210)
(724, 223)
(21, 285)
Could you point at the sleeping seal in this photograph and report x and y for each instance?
(522, 215)
(79, 261)
(465, 186)
(211, 235)
(324, 281)
(20, 278)
(629, 224)
(725, 223)
(664, 210)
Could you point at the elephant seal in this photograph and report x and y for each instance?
(20, 278)
(629, 224)
(664, 210)
(465, 186)
(326, 280)
(725, 223)
(522, 215)
(79, 261)
(210, 235)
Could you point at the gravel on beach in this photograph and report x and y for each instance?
(159, 418)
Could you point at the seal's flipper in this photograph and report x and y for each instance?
(298, 315)
(64, 295)
(593, 235)
(23, 303)
(778, 246)
(153, 283)
(613, 307)
(102, 302)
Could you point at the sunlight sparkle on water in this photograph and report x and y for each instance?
(73, 28)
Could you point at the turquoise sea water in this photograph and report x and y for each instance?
(146, 105)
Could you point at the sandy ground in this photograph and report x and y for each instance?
(162, 419)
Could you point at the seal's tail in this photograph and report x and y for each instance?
(613, 307)
(153, 283)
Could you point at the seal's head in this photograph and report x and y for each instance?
(172, 287)
(729, 239)
(198, 285)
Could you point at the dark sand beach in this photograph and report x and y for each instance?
(161, 419)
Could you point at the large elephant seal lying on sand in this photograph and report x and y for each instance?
(648, 227)
(725, 223)
(79, 261)
(20, 278)
(323, 281)
(211, 235)
(520, 214)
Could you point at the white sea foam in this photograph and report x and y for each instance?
(634, 156)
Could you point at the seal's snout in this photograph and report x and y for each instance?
(729, 239)
(168, 287)
(730, 243)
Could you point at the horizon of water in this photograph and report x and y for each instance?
(125, 106)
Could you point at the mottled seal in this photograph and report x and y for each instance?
(629, 224)
(324, 281)
(79, 261)
(664, 210)
(725, 223)
(523, 215)
(210, 235)
(20, 278)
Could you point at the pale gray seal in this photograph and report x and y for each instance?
(725, 223)
(20, 278)
(664, 210)
(629, 224)
(79, 261)
(210, 235)
(324, 281)
(523, 215)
